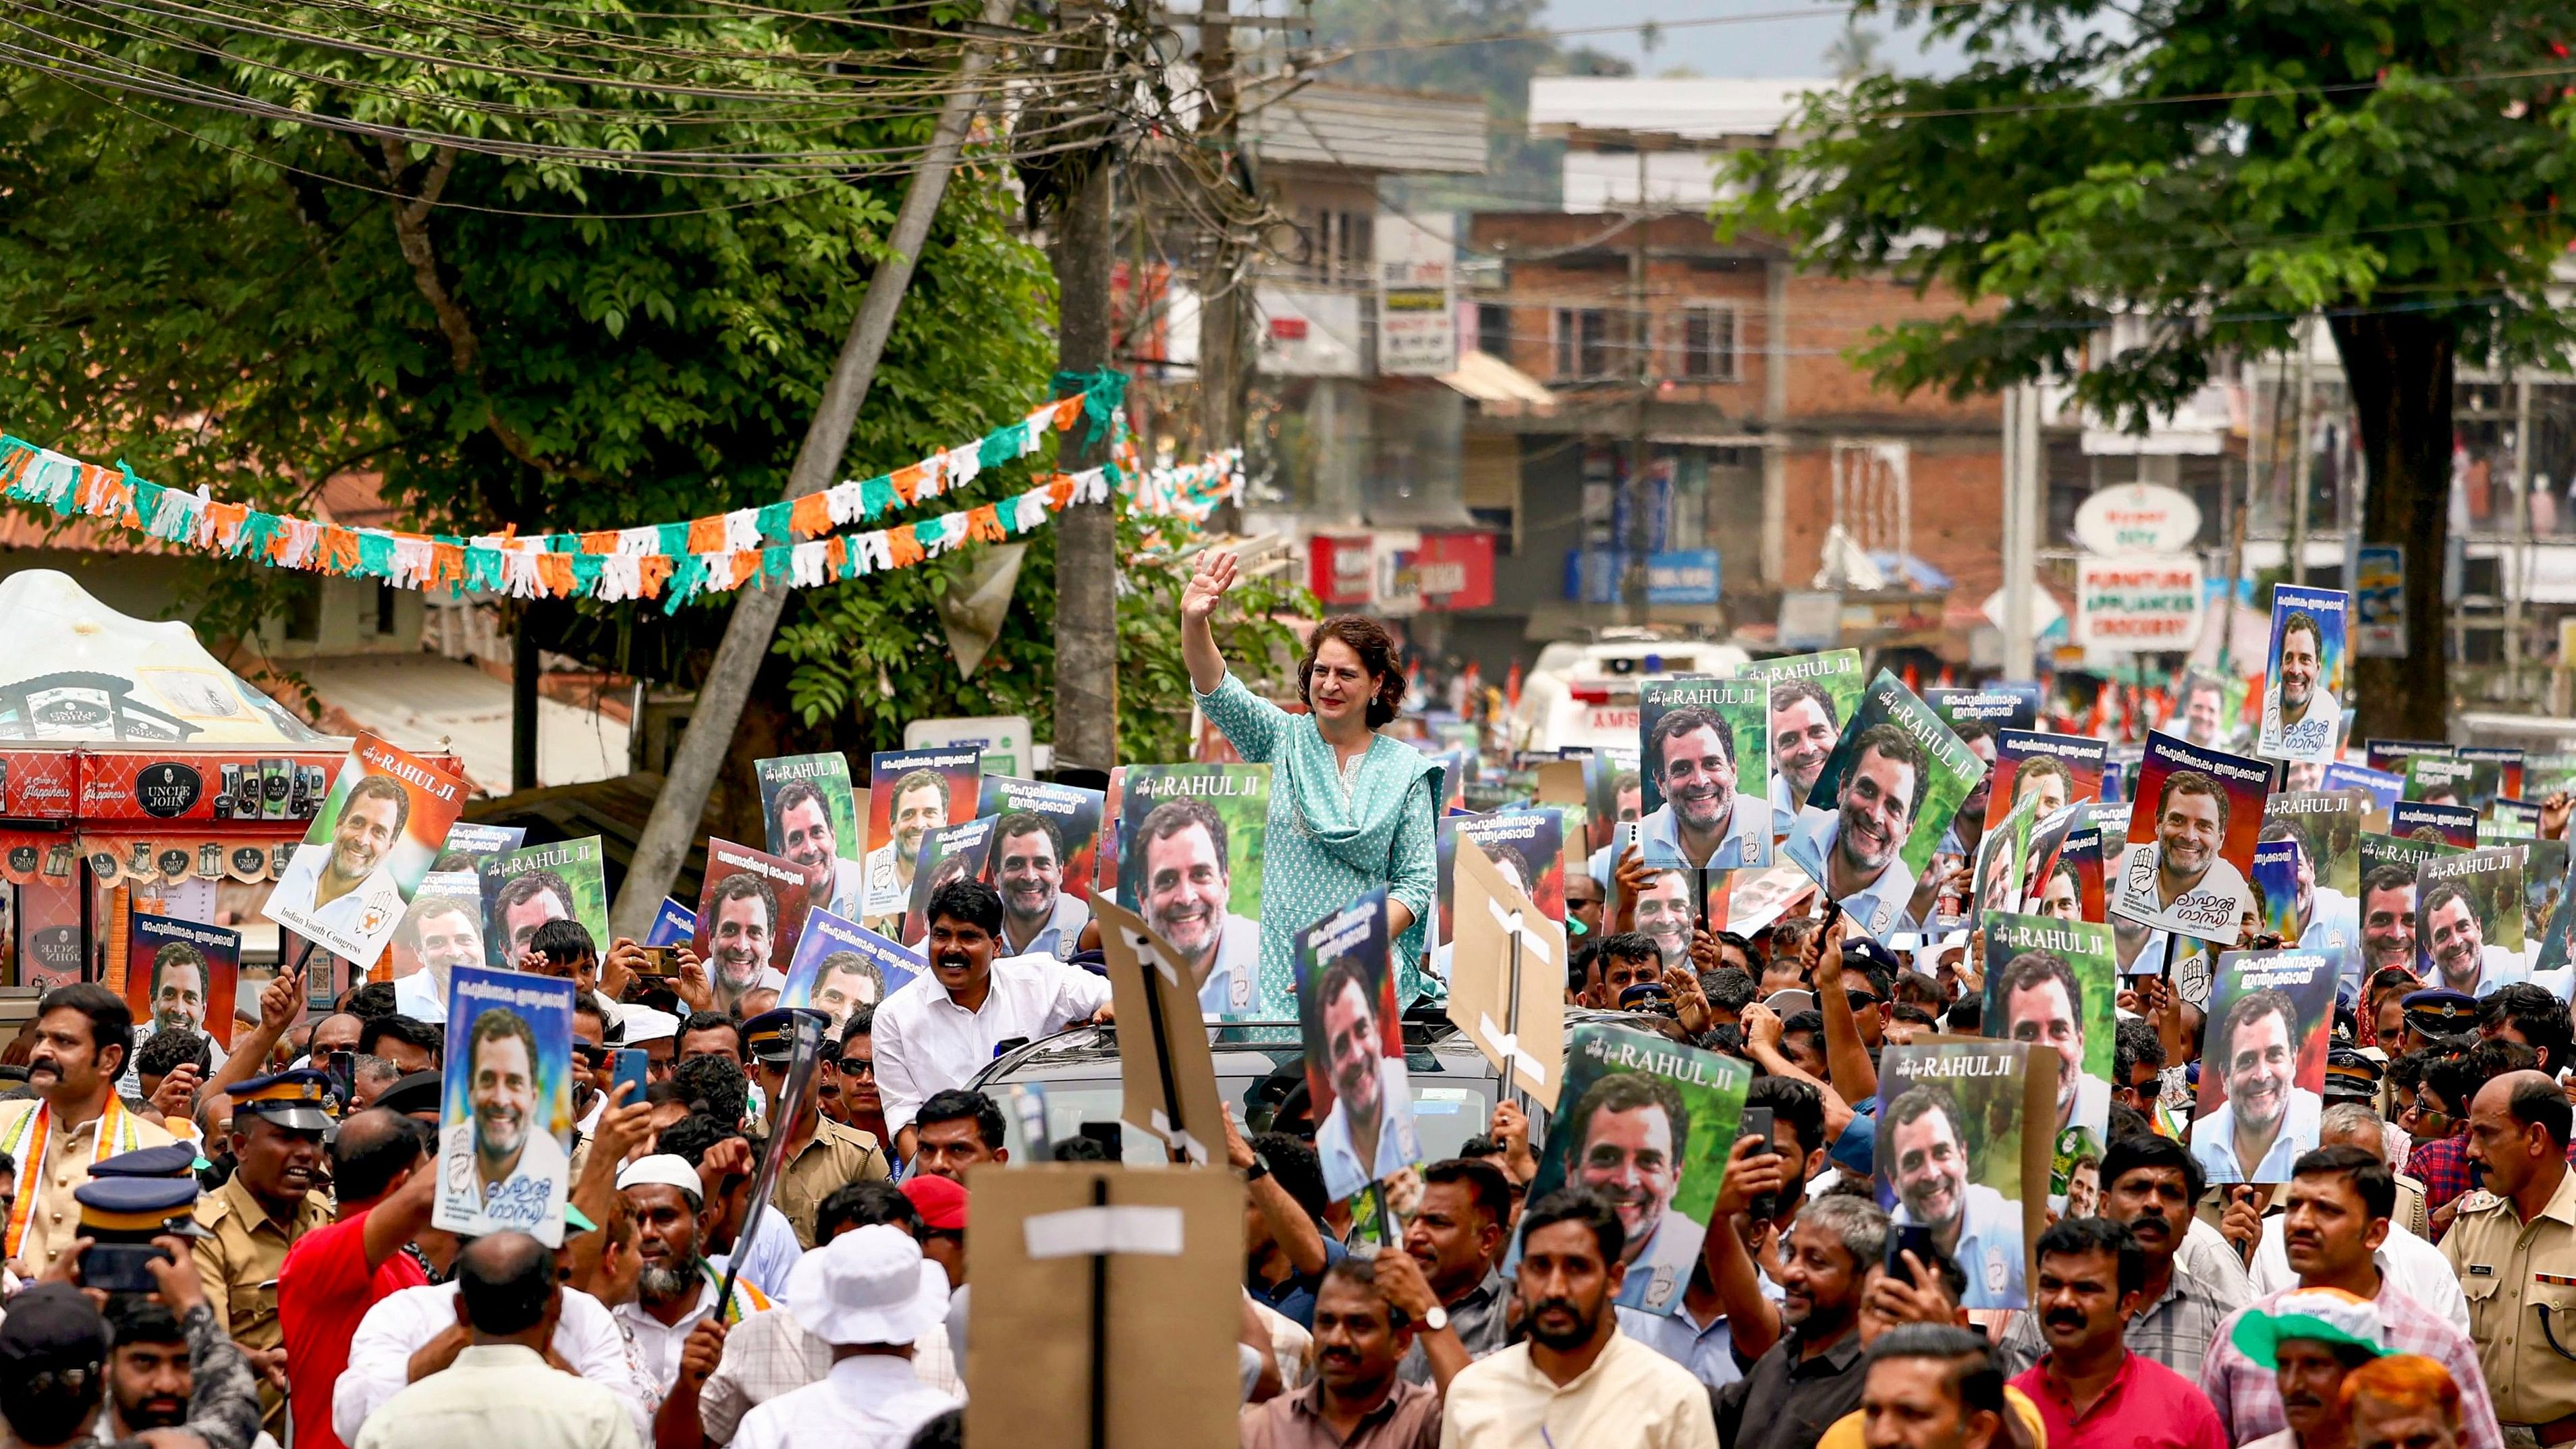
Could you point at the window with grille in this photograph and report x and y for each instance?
(1582, 342)
(1708, 344)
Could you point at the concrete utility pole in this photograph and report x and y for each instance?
(709, 733)
(1086, 549)
(2299, 460)
(1221, 301)
(1633, 586)
(2020, 561)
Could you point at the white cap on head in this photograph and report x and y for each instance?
(644, 1024)
(666, 1169)
(869, 1285)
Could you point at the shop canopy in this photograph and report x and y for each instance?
(77, 671)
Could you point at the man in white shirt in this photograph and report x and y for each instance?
(676, 1289)
(479, 1409)
(868, 1294)
(939, 1030)
(441, 933)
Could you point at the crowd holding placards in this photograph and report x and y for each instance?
(1867, 1067)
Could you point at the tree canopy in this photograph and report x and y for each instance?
(2215, 174)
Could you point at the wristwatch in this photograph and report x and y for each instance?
(1259, 1169)
(1435, 1320)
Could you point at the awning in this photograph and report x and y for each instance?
(425, 702)
(79, 672)
(1498, 387)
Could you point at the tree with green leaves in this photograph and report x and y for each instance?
(2217, 174)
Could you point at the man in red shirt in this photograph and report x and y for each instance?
(2092, 1391)
(387, 1184)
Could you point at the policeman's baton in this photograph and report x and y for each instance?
(800, 1071)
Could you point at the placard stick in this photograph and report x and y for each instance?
(1385, 1217)
(1099, 1321)
(2169, 955)
(1512, 1023)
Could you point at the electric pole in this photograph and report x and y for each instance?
(1221, 309)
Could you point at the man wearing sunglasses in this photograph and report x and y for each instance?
(849, 1078)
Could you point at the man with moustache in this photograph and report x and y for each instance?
(939, 1029)
(2515, 1240)
(1357, 1399)
(2044, 1006)
(2267, 1119)
(848, 1094)
(1813, 1375)
(1456, 1236)
(2454, 941)
(2194, 1278)
(2292, 720)
(1691, 755)
(2388, 919)
(247, 1226)
(1368, 1135)
(82, 1036)
(342, 890)
(1038, 915)
(2092, 1390)
(920, 806)
(800, 826)
(508, 1167)
(2179, 875)
(676, 1291)
(2339, 1202)
(1632, 1128)
(1854, 849)
(742, 927)
(1186, 883)
(1977, 1226)
(437, 935)
(1804, 730)
(2309, 1341)
(1576, 1374)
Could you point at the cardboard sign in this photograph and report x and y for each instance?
(1164, 1065)
(1493, 914)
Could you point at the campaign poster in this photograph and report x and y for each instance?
(2510, 820)
(2061, 770)
(2054, 984)
(1647, 1123)
(2277, 864)
(2003, 862)
(180, 976)
(2468, 921)
(2325, 911)
(1748, 901)
(1188, 859)
(1524, 845)
(469, 840)
(377, 833)
(2303, 675)
(1999, 708)
(2389, 865)
(1044, 855)
(1964, 1148)
(2382, 787)
(2455, 825)
(750, 911)
(2207, 711)
(2263, 1072)
(950, 853)
(812, 814)
(440, 930)
(1812, 697)
(2052, 884)
(505, 1113)
(2450, 780)
(1346, 1011)
(1612, 791)
(2191, 841)
(534, 884)
(910, 794)
(841, 966)
(673, 925)
(1703, 752)
(2544, 880)
(2550, 920)
(1881, 806)
(2508, 763)
(2392, 755)
(2097, 833)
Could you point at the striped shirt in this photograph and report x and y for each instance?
(2248, 1396)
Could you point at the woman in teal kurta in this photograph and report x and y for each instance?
(1350, 809)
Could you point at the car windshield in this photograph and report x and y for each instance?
(1446, 1112)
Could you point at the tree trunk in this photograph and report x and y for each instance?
(1086, 548)
(2400, 368)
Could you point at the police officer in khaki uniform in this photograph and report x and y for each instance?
(269, 1202)
(2514, 1246)
(822, 1155)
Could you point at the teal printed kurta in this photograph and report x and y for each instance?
(1334, 834)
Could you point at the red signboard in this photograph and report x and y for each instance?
(1456, 570)
(1338, 569)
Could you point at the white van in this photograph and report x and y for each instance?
(1580, 695)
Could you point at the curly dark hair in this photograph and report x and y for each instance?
(1368, 639)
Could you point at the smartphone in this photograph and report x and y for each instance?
(1757, 1123)
(1833, 913)
(120, 1267)
(659, 961)
(627, 1064)
(1915, 1238)
(344, 1077)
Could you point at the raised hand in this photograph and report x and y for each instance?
(1217, 572)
